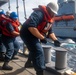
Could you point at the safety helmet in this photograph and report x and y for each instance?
(8, 12)
(13, 15)
(2, 12)
(53, 7)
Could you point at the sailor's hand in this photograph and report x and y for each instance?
(43, 40)
(57, 43)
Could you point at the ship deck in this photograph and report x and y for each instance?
(18, 67)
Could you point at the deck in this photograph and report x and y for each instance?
(18, 67)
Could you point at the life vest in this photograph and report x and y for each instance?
(3, 19)
(47, 21)
(15, 24)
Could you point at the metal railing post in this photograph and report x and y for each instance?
(25, 50)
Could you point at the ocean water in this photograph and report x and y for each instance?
(71, 52)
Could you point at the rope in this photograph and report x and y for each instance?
(71, 51)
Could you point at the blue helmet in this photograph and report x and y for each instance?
(13, 15)
(2, 12)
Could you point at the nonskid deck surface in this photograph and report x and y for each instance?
(18, 67)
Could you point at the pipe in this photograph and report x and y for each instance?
(9, 5)
(24, 9)
(17, 8)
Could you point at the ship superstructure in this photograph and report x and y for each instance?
(65, 24)
(3, 2)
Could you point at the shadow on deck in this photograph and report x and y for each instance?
(18, 67)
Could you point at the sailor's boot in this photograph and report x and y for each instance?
(39, 73)
(28, 64)
(6, 66)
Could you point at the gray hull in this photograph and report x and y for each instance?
(66, 28)
(65, 32)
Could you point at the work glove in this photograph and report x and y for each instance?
(43, 40)
(57, 43)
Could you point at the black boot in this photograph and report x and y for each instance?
(39, 73)
(6, 66)
(28, 64)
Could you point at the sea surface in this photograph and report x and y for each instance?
(69, 44)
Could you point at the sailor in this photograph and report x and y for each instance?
(2, 48)
(8, 13)
(10, 32)
(35, 29)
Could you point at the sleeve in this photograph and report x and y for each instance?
(9, 27)
(35, 18)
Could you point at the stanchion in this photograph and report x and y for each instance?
(25, 50)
